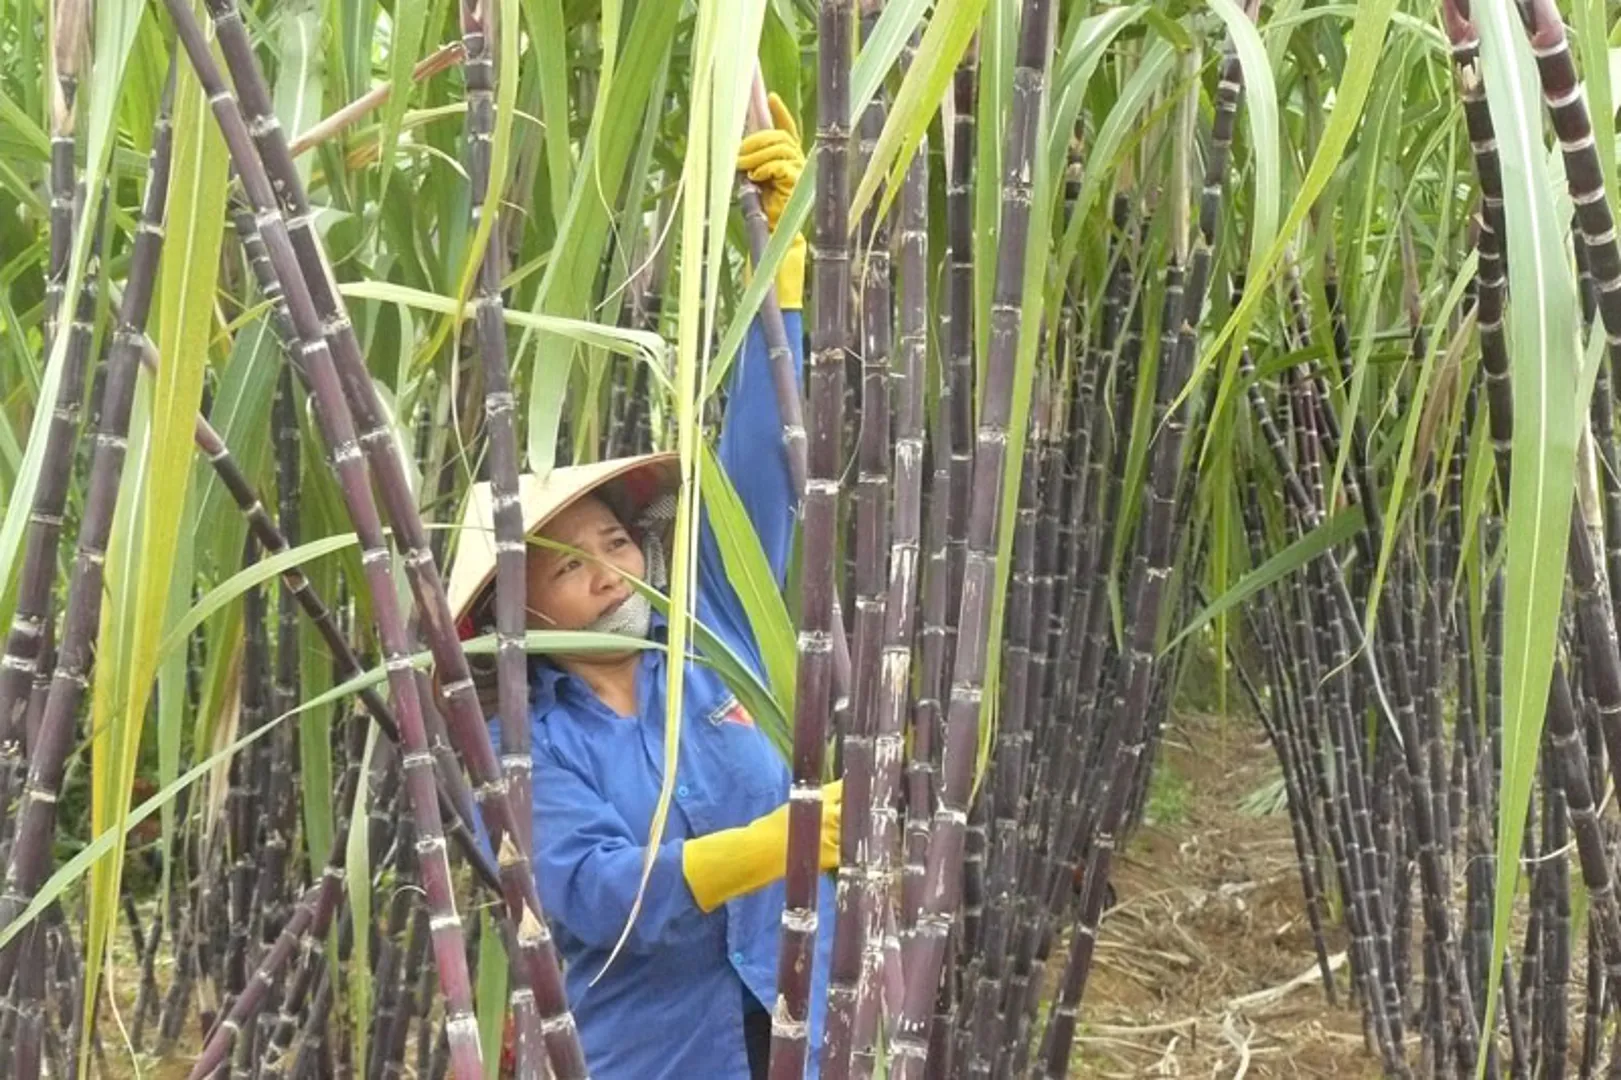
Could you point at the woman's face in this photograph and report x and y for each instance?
(568, 592)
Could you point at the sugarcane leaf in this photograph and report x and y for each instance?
(300, 75)
(240, 412)
(1367, 42)
(490, 1001)
(691, 323)
(1281, 24)
(779, 55)
(1415, 408)
(1543, 333)
(196, 206)
(548, 37)
(20, 128)
(998, 32)
(1111, 141)
(566, 288)
(357, 870)
(316, 675)
(247, 578)
(951, 29)
(1073, 75)
(1588, 23)
(1261, 114)
(354, 21)
(749, 573)
(171, 678)
(1324, 538)
(114, 641)
(410, 20)
(636, 343)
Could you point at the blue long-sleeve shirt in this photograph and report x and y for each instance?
(671, 1004)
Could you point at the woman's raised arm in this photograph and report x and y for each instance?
(752, 449)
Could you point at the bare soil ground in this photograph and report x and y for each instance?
(1206, 965)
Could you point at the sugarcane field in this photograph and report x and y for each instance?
(482, 482)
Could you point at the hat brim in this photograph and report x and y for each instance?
(627, 484)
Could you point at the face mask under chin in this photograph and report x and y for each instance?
(633, 618)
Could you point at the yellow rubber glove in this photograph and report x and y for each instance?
(774, 160)
(734, 862)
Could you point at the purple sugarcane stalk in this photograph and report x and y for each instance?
(30, 856)
(790, 1016)
(329, 321)
(943, 870)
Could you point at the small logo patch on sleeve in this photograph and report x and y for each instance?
(731, 711)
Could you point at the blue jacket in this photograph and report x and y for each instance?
(671, 1004)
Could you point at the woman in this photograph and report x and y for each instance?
(688, 995)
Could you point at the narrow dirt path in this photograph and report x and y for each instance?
(1206, 965)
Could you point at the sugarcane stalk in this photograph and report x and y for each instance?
(943, 872)
(338, 430)
(825, 380)
(511, 551)
(305, 273)
(273, 540)
(894, 681)
(30, 855)
(32, 613)
(857, 918)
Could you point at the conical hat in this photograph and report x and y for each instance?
(628, 484)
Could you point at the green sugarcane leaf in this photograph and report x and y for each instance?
(998, 34)
(109, 720)
(21, 131)
(1114, 138)
(1324, 538)
(240, 412)
(316, 675)
(1543, 347)
(357, 870)
(1588, 24)
(1414, 407)
(566, 289)
(410, 21)
(779, 55)
(1261, 114)
(300, 76)
(636, 343)
(1376, 137)
(1367, 42)
(247, 578)
(189, 270)
(691, 324)
(490, 1000)
(1282, 23)
(750, 575)
(355, 21)
(171, 678)
(548, 35)
(951, 29)
(1073, 76)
